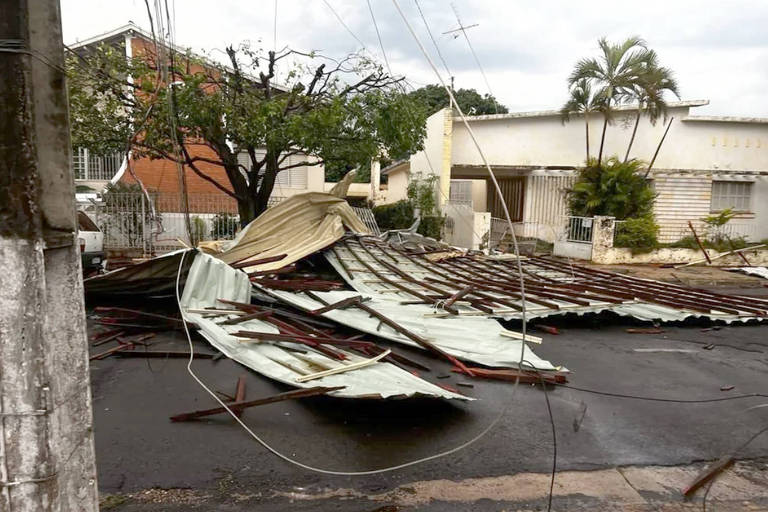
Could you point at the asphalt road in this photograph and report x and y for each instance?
(139, 448)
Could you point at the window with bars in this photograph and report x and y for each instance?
(731, 194)
(90, 166)
(460, 192)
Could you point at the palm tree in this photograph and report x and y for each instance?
(649, 95)
(616, 72)
(581, 101)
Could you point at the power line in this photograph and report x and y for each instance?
(477, 60)
(349, 30)
(434, 42)
(378, 35)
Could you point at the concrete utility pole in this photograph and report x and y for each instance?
(46, 435)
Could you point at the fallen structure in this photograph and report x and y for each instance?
(305, 296)
(258, 339)
(475, 285)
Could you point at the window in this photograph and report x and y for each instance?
(731, 194)
(295, 177)
(89, 166)
(460, 192)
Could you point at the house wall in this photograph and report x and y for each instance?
(678, 200)
(435, 158)
(397, 186)
(546, 141)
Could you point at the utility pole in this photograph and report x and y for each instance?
(46, 435)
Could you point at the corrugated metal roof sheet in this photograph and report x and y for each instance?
(210, 279)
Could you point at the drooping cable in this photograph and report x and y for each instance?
(477, 60)
(492, 175)
(378, 35)
(302, 465)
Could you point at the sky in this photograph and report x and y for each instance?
(718, 50)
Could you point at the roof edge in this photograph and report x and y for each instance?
(726, 119)
(549, 113)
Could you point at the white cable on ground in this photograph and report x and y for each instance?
(288, 459)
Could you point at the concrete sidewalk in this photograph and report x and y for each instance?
(744, 487)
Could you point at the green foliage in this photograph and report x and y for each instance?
(719, 245)
(399, 215)
(423, 196)
(224, 225)
(431, 226)
(719, 219)
(421, 193)
(640, 234)
(343, 115)
(434, 97)
(623, 73)
(617, 70)
(614, 188)
(199, 230)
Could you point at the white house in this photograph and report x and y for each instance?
(705, 164)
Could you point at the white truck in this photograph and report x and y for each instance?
(91, 241)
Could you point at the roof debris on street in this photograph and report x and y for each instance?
(306, 296)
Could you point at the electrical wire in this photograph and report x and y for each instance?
(659, 399)
(471, 49)
(490, 173)
(378, 35)
(302, 465)
(344, 24)
(434, 42)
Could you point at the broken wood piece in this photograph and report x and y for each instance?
(456, 296)
(344, 303)
(698, 242)
(525, 376)
(708, 474)
(244, 318)
(645, 330)
(547, 328)
(107, 339)
(344, 368)
(737, 251)
(163, 354)
(250, 263)
(519, 336)
(298, 393)
(107, 353)
(239, 395)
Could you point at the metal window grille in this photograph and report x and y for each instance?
(460, 192)
(578, 229)
(366, 215)
(731, 194)
(90, 166)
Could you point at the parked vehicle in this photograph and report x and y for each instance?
(91, 241)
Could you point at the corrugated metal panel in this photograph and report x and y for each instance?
(681, 199)
(210, 279)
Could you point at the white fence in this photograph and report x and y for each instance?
(130, 221)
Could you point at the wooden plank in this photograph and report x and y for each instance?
(290, 395)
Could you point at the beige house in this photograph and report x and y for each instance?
(706, 164)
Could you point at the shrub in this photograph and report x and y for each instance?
(399, 215)
(431, 226)
(224, 225)
(640, 234)
(198, 230)
(615, 188)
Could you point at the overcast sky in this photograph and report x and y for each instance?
(718, 50)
